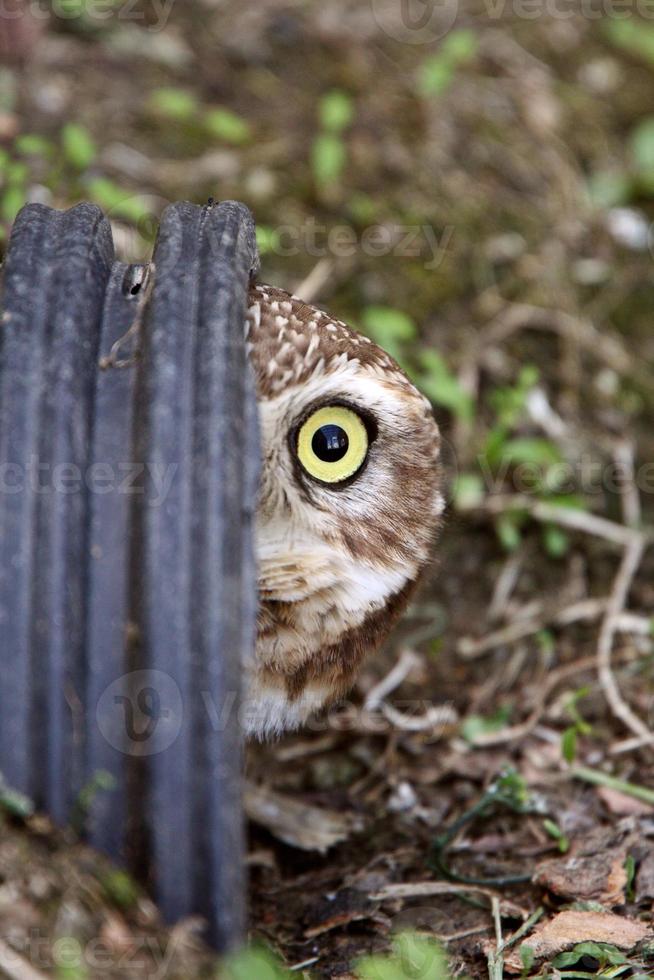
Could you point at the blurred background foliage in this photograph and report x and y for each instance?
(480, 202)
(425, 188)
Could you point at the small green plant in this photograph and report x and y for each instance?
(329, 151)
(476, 725)
(443, 387)
(557, 835)
(77, 146)
(14, 803)
(437, 72)
(212, 122)
(414, 957)
(100, 782)
(174, 103)
(391, 329)
(578, 727)
(120, 888)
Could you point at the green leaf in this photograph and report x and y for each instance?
(527, 958)
(602, 952)
(120, 888)
(336, 111)
(267, 240)
(460, 45)
(437, 72)
(413, 957)
(556, 541)
(642, 145)
(31, 145)
(79, 148)
(389, 328)
(570, 500)
(12, 201)
(328, 158)
(443, 387)
(475, 725)
(569, 744)
(633, 34)
(254, 964)
(15, 803)
(227, 126)
(557, 834)
(469, 491)
(630, 871)
(120, 203)
(174, 103)
(507, 528)
(531, 451)
(435, 76)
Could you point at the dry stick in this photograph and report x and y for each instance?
(427, 889)
(516, 732)
(521, 316)
(576, 520)
(631, 559)
(626, 572)
(469, 647)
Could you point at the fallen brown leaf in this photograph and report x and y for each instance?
(569, 928)
(309, 828)
(593, 870)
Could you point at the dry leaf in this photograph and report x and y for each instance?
(569, 928)
(309, 828)
(593, 870)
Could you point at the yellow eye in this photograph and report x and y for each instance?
(332, 444)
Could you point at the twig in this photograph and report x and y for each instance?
(434, 719)
(495, 957)
(469, 647)
(395, 677)
(522, 316)
(623, 455)
(569, 517)
(515, 732)
(506, 583)
(631, 744)
(428, 889)
(598, 778)
(628, 567)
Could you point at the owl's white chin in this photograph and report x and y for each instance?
(268, 711)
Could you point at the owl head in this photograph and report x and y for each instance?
(348, 508)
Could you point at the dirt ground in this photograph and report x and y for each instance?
(509, 161)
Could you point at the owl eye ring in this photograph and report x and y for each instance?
(332, 444)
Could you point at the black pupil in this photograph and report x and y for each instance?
(330, 443)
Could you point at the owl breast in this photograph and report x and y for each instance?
(349, 504)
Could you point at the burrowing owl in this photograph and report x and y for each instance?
(349, 504)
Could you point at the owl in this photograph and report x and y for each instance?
(349, 504)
